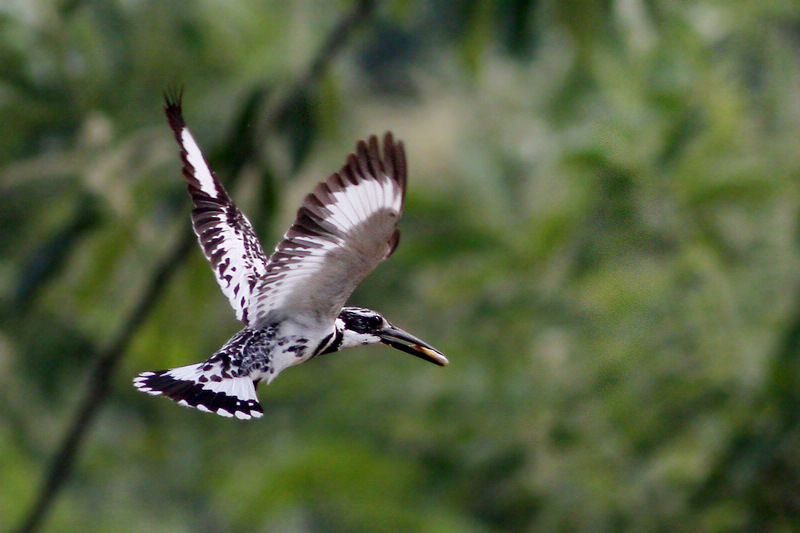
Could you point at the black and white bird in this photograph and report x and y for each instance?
(292, 303)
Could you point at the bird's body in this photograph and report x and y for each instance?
(292, 303)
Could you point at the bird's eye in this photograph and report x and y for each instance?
(374, 322)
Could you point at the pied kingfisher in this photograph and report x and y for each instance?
(292, 302)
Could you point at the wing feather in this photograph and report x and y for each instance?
(226, 236)
(343, 230)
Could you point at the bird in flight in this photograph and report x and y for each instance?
(292, 303)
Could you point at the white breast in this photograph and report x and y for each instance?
(295, 343)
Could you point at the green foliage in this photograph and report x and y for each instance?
(600, 232)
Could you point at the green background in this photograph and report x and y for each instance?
(601, 232)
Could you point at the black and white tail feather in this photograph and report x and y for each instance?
(292, 303)
(192, 386)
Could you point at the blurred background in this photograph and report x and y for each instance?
(601, 232)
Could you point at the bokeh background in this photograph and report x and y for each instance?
(601, 232)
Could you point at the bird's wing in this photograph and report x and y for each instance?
(225, 234)
(344, 229)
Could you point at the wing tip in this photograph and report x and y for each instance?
(367, 162)
(173, 97)
(361, 163)
(394, 154)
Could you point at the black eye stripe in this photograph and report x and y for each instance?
(363, 321)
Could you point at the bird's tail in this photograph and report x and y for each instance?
(201, 386)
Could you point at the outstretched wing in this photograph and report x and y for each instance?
(344, 229)
(225, 234)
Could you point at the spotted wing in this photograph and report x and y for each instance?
(344, 229)
(225, 234)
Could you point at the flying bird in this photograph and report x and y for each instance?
(292, 303)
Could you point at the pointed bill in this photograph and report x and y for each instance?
(406, 342)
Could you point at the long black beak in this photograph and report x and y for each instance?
(406, 342)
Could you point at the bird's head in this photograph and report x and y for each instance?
(361, 326)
